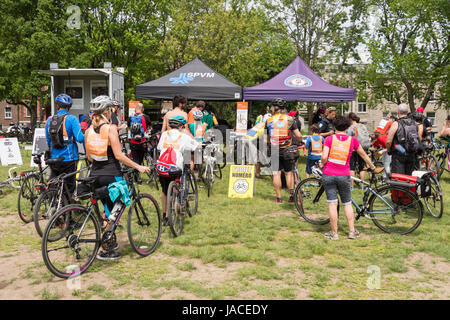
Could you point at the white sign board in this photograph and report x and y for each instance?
(39, 144)
(10, 152)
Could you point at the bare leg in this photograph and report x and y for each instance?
(164, 203)
(348, 209)
(332, 211)
(277, 183)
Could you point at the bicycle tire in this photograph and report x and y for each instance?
(27, 194)
(218, 171)
(400, 199)
(310, 201)
(46, 195)
(435, 197)
(432, 164)
(78, 216)
(174, 210)
(191, 190)
(144, 247)
(209, 179)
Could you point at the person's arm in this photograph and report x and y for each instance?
(390, 137)
(324, 157)
(326, 134)
(298, 135)
(76, 130)
(47, 135)
(445, 132)
(118, 154)
(164, 126)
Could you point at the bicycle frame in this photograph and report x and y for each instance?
(361, 209)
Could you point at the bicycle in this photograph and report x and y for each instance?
(12, 179)
(73, 236)
(151, 157)
(182, 196)
(393, 207)
(209, 167)
(443, 157)
(55, 195)
(31, 188)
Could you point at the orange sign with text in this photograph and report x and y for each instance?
(242, 117)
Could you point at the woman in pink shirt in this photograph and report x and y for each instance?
(335, 160)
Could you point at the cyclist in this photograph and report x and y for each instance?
(335, 160)
(318, 115)
(104, 150)
(379, 142)
(138, 124)
(179, 141)
(445, 132)
(314, 144)
(209, 117)
(199, 105)
(326, 125)
(385, 124)
(280, 129)
(62, 131)
(179, 104)
(198, 130)
(115, 117)
(360, 132)
(403, 161)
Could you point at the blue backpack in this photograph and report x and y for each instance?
(137, 130)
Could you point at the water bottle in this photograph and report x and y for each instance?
(400, 149)
(116, 210)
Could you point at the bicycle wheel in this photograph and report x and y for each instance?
(46, 206)
(435, 202)
(217, 171)
(395, 209)
(174, 209)
(209, 179)
(191, 195)
(311, 201)
(73, 252)
(431, 164)
(144, 224)
(27, 197)
(148, 162)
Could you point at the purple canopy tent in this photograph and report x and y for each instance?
(298, 83)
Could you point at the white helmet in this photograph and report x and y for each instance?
(100, 103)
(198, 115)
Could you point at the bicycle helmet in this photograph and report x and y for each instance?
(100, 103)
(177, 121)
(198, 115)
(116, 103)
(278, 102)
(64, 100)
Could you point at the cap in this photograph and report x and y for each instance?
(292, 113)
(420, 109)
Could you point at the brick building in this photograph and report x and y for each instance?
(10, 113)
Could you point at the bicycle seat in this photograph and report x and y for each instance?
(175, 173)
(55, 160)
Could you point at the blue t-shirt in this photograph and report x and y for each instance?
(309, 146)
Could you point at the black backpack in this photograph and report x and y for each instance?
(408, 135)
(55, 129)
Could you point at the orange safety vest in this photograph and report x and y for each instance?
(97, 143)
(316, 146)
(383, 126)
(339, 151)
(174, 144)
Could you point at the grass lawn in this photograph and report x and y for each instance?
(241, 249)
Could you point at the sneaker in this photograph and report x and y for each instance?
(111, 255)
(353, 235)
(278, 200)
(291, 199)
(332, 236)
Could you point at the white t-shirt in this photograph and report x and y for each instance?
(180, 142)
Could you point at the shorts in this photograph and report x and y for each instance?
(285, 165)
(165, 181)
(309, 164)
(356, 162)
(337, 184)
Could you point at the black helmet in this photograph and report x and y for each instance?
(278, 102)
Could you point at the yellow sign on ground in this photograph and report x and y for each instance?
(242, 182)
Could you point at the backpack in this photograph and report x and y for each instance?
(166, 161)
(362, 135)
(137, 127)
(408, 135)
(57, 131)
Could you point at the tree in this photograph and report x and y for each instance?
(409, 51)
